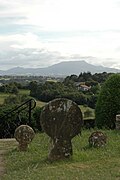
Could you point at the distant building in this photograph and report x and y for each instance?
(82, 86)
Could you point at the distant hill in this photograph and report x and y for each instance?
(60, 69)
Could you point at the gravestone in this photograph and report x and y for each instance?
(61, 119)
(117, 123)
(97, 139)
(24, 135)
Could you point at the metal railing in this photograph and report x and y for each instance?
(30, 104)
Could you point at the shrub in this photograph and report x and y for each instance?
(108, 103)
(36, 118)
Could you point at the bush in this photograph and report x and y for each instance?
(36, 118)
(108, 103)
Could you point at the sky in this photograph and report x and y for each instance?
(40, 33)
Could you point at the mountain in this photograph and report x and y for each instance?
(60, 69)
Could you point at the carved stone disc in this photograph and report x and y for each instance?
(61, 119)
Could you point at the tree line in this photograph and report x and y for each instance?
(68, 89)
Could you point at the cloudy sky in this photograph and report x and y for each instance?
(39, 33)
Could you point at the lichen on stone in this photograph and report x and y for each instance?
(97, 139)
(24, 135)
(61, 119)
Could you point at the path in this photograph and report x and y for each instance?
(5, 146)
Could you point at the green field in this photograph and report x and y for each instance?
(5, 95)
(86, 163)
(2, 97)
(40, 103)
(23, 92)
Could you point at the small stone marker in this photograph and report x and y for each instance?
(24, 135)
(117, 123)
(97, 139)
(61, 119)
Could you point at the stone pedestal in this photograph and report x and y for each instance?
(60, 149)
(117, 123)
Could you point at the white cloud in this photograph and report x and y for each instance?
(43, 32)
(64, 14)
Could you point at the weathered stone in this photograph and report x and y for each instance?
(117, 123)
(61, 119)
(24, 135)
(97, 139)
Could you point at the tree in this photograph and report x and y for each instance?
(108, 103)
(14, 90)
(33, 88)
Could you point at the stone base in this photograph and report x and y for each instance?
(60, 149)
(23, 147)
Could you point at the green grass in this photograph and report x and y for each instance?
(27, 92)
(86, 163)
(84, 108)
(3, 96)
(40, 103)
(24, 92)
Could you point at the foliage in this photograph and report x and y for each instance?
(90, 79)
(9, 88)
(36, 118)
(108, 103)
(15, 99)
(51, 90)
(8, 123)
(33, 88)
(91, 101)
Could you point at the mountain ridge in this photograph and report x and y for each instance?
(60, 69)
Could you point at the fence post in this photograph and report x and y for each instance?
(117, 123)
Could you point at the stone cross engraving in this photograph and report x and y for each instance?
(24, 135)
(61, 119)
(117, 123)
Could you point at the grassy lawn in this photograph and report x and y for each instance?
(39, 103)
(86, 163)
(3, 96)
(84, 108)
(24, 91)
